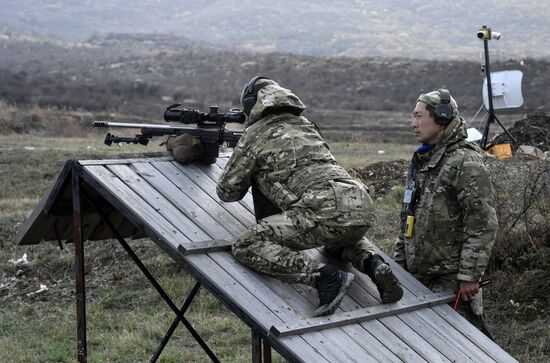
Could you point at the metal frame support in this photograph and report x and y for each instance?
(176, 321)
(179, 312)
(261, 349)
(79, 269)
(492, 117)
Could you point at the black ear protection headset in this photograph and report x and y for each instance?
(444, 111)
(249, 98)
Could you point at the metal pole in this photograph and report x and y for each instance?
(78, 239)
(491, 117)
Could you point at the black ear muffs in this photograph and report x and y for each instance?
(249, 98)
(444, 111)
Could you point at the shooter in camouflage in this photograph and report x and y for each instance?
(449, 221)
(321, 204)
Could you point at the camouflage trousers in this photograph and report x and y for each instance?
(471, 310)
(274, 245)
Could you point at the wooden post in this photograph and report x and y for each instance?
(78, 239)
(261, 349)
(266, 351)
(256, 347)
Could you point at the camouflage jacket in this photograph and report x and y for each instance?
(291, 164)
(454, 210)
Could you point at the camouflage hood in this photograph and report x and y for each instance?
(274, 99)
(455, 131)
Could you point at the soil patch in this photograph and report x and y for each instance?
(533, 130)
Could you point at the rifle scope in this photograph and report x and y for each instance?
(213, 118)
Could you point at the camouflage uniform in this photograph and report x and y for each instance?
(293, 167)
(454, 209)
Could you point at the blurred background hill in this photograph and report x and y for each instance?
(390, 28)
(352, 62)
(138, 75)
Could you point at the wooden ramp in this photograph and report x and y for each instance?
(176, 207)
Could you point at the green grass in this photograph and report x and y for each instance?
(126, 317)
(353, 155)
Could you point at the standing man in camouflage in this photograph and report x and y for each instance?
(449, 221)
(284, 155)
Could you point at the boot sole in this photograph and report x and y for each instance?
(330, 308)
(387, 283)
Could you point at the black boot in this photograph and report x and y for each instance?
(332, 286)
(381, 274)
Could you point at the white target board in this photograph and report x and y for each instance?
(506, 89)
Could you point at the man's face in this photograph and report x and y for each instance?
(426, 130)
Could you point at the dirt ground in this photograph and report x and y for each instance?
(533, 130)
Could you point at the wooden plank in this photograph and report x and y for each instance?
(378, 340)
(212, 206)
(364, 314)
(341, 347)
(371, 344)
(495, 352)
(208, 272)
(359, 335)
(446, 335)
(287, 288)
(142, 211)
(362, 294)
(440, 335)
(473, 334)
(27, 232)
(193, 210)
(455, 338)
(250, 307)
(160, 204)
(393, 333)
(452, 343)
(448, 347)
(237, 210)
(443, 335)
(61, 187)
(124, 161)
(204, 247)
(368, 345)
(135, 209)
(454, 319)
(90, 221)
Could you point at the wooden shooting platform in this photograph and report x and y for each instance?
(177, 208)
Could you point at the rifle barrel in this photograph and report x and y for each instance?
(127, 125)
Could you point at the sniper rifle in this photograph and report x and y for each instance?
(209, 128)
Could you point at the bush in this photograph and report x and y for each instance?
(523, 208)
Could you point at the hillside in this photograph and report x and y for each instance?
(142, 74)
(358, 28)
